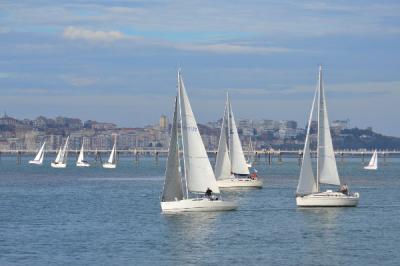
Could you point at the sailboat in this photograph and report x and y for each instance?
(186, 186)
(62, 156)
(39, 156)
(231, 168)
(112, 160)
(81, 160)
(373, 163)
(308, 189)
(251, 155)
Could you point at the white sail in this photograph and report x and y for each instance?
(40, 155)
(198, 172)
(81, 155)
(373, 163)
(64, 153)
(238, 161)
(327, 170)
(58, 157)
(223, 163)
(173, 181)
(111, 159)
(251, 154)
(307, 183)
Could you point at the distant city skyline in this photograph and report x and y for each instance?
(117, 61)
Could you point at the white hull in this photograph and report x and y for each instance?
(109, 165)
(239, 182)
(35, 162)
(371, 167)
(328, 199)
(198, 205)
(58, 165)
(82, 164)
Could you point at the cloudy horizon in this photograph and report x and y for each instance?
(117, 62)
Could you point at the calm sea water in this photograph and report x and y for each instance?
(96, 216)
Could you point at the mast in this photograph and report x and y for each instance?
(182, 142)
(318, 121)
(229, 124)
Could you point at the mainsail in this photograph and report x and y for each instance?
(373, 163)
(173, 180)
(40, 155)
(58, 157)
(223, 163)
(111, 159)
(81, 155)
(326, 170)
(238, 161)
(307, 183)
(64, 152)
(198, 172)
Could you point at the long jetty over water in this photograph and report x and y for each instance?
(152, 151)
(267, 154)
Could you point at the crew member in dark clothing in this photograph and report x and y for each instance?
(208, 193)
(345, 189)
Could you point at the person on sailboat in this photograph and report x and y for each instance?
(344, 189)
(208, 193)
(254, 175)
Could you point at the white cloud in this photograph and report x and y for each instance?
(74, 33)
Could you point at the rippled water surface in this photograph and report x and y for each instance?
(96, 216)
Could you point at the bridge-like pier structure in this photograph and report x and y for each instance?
(261, 156)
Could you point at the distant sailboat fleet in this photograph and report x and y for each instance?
(191, 184)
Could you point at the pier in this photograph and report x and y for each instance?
(268, 156)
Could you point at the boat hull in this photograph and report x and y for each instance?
(198, 205)
(109, 166)
(35, 162)
(240, 182)
(82, 164)
(328, 199)
(58, 165)
(370, 167)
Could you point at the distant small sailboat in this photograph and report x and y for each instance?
(308, 189)
(62, 156)
(81, 160)
(190, 192)
(112, 160)
(231, 168)
(251, 155)
(373, 163)
(38, 160)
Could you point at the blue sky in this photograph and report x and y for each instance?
(117, 60)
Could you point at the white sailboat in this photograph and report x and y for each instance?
(373, 163)
(186, 192)
(308, 189)
(62, 156)
(81, 160)
(231, 168)
(39, 156)
(251, 155)
(112, 160)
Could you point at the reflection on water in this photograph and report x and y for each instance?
(191, 234)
